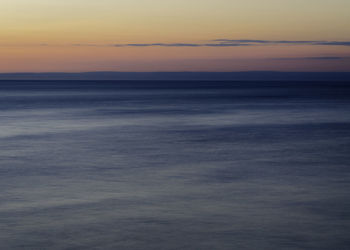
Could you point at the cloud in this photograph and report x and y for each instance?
(211, 43)
(281, 42)
(159, 45)
(335, 43)
(181, 45)
(228, 43)
(235, 43)
(321, 58)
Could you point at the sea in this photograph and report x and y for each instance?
(174, 165)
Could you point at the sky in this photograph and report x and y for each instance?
(174, 35)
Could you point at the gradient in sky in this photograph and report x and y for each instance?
(169, 35)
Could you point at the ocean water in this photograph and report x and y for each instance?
(174, 165)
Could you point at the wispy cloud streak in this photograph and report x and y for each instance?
(320, 58)
(210, 43)
(282, 42)
(181, 45)
(236, 43)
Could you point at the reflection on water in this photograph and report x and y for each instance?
(174, 165)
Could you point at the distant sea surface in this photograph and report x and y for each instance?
(174, 165)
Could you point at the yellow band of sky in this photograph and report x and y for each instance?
(41, 35)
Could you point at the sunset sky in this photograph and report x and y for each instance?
(174, 35)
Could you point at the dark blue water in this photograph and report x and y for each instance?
(174, 165)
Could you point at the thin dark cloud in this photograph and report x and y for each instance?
(236, 43)
(228, 41)
(335, 43)
(225, 44)
(320, 58)
(211, 43)
(181, 45)
(159, 44)
(291, 42)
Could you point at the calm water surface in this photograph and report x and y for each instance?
(174, 165)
